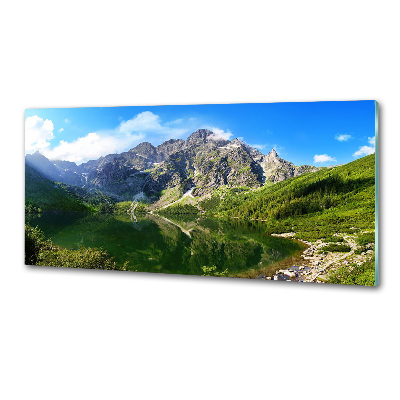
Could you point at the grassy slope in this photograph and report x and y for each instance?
(42, 193)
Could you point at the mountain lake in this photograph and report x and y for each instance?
(177, 245)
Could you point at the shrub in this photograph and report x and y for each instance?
(39, 251)
(212, 271)
(89, 258)
(366, 238)
(124, 207)
(34, 241)
(210, 204)
(363, 274)
(333, 239)
(180, 209)
(344, 248)
(31, 209)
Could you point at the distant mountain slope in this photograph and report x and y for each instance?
(204, 162)
(42, 193)
(57, 171)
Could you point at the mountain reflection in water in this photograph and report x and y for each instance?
(173, 245)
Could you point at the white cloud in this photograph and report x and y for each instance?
(92, 146)
(149, 123)
(176, 122)
(321, 158)
(366, 150)
(343, 137)
(259, 146)
(60, 130)
(67, 121)
(38, 133)
(219, 133)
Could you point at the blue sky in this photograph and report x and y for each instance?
(318, 133)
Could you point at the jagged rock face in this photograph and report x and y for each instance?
(176, 170)
(169, 147)
(145, 150)
(123, 174)
(226, 165)
(204, 161)
(276, 169)
(111, 172)
(130, 159)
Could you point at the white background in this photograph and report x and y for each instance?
(70, 334)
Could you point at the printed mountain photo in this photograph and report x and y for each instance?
(279, 191)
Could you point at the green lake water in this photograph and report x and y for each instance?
(173, 246)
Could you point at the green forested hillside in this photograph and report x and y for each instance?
(313, 205)
(95, 199)
(43, 194)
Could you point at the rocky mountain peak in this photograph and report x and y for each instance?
(273, 154)
(199, 137)
(41, 163)
(205, 137)
(145, 149)
(239, 142)
(272, 157)
(204, 132)
(37, 155)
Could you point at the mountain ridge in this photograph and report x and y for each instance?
(203, 162)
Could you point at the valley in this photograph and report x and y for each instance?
(207, 178)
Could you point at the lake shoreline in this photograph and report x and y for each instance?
(269, 271)
(315, 264)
